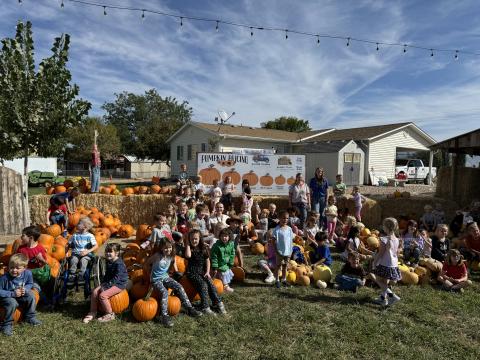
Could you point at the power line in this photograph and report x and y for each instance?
(349, 40)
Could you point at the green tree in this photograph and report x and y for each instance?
(80, 140)
(288, 123)
(36, 107)
(145, 122)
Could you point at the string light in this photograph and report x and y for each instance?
(431, 54)
(20, 2)
(318, 39)
(143, 14)
(62, 5)
(99, 3)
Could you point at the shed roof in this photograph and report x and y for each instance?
(468, 143)
(323, 146)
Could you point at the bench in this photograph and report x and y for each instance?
(396, 182)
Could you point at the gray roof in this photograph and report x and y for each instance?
(322, 146)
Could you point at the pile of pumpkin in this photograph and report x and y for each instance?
(399, 194)
(83, 186)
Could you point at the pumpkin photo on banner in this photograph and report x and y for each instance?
(280, 180)
(266, 180)
(209, 175)
(251, 177)
(233, 174)
(291, 180)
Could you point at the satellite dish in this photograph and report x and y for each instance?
(223, 116)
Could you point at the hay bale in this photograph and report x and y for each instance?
(371, 210)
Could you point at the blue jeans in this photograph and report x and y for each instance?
(319, 205)
(302, 212)
(95, 179)
(27, 302)
(349, 283)
(409, 253)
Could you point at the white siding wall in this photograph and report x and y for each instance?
(352, 147)
(146, 170)
(252, 144)
(327, 161)
(383, 151)
(191, 135)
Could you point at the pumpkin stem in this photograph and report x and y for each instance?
(149, 293)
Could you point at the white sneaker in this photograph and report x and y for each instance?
(381, 301)
(227, 289)
(393, 299)
(269, 279)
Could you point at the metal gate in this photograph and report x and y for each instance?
(351, 168)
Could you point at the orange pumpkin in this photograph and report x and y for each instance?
(142, 189)
(291, 180)
(73, 219)
(173, 306)
(218, 285)
(50, 190)
(280, 180)
(155, 180)
(136, 189)
(61, 241)
(155, 189)
(112, 186)
(209, 175)
(143, 232)
(105, 190)
(46, 241)
(139, 289)
(108, 221)
(54, 266)
(60, 189)
(128, 191)
(5, 257)
(58, 252)
(189, 289)
(165, 190)
(251, 177)
(181, 263)
(120, 302)
(132, 247)
(145, 309)
(125, 231)
(54, 230)
(238, 274)
(233, 174)
(266, 180)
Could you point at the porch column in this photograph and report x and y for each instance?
(430, 162)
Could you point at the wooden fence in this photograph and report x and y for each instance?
(14, 211)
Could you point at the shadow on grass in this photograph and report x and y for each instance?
(342, 298)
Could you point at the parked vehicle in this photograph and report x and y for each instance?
(39, 178)
(413, 170)
(261, 158)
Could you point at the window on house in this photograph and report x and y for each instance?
(179, 152)
(189, 152)
(204, 147)
(192, 151)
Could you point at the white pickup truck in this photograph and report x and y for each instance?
(413, 170)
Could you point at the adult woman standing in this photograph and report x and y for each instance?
(95, 166)
(299, 197)
(319, 187)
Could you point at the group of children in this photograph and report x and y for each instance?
(201, 231)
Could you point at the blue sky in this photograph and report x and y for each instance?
(266, 76)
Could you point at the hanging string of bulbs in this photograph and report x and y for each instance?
(349, 40)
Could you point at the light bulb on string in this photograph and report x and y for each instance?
(348, 41)
(378, 47)
(456, 55)
(286, 34)
(216, 27)
(431, 52)
(181, 21)
(105, 10)
(20, 2)
(62, 5)
(251, 31)
(404, 48)
(318, 40)
(143, 14)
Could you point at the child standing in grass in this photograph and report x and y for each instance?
(331, 212)
(386, 263)
(198, 272)
(358, 199)
(160, 264)
(223, 257)
(454, 275)
(268, 264)
(114, 281)
(283, 236)
(16, 290)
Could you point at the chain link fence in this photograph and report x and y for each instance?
(117, 174)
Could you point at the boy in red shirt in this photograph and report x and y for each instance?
(57, 213)
(35, 253)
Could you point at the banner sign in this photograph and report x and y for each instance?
(267, 174)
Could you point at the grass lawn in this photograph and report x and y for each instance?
(268, 323)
